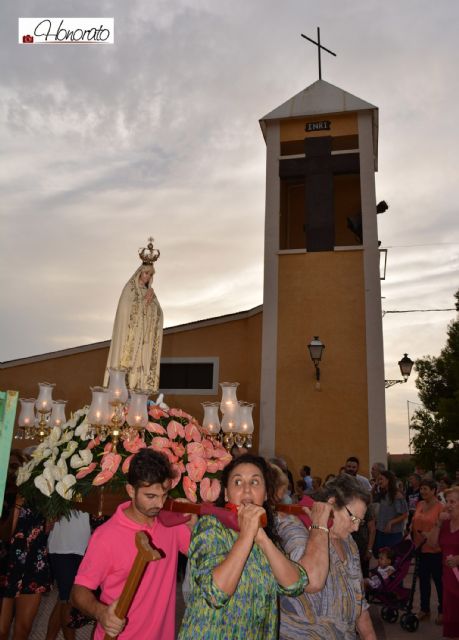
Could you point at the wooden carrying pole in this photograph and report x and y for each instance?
(145, 553)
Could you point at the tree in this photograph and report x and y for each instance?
(437, 424)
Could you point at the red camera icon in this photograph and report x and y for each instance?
(27, 39)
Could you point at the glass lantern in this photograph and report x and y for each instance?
(246, 426)
(26, 419)
(229, 403)
(211, 421)
(117, 390)
(137, 415)
(44, 401)
(57, 418)
(99, 411)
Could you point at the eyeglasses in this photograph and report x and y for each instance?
(354, 519)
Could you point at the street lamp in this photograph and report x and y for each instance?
(316, 348)
(406, 365)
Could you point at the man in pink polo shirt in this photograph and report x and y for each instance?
(112, 550)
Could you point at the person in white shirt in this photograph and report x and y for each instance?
(67, 544)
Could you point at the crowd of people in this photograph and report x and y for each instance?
(277, 576)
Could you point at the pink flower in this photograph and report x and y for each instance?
(178, 449)
(178, 413)
(213, 466)
(190, 489)
(157, 413)
(209, 490)
(222, 462)
(169, 455)
(154, 427)
(177, 474)
(208, 447)
(95, 442)
(158, 444)
(175, 429)
(225, 459)
(220, 452)
(196, 469)
(126, 464)
(192, 433)
(84, 471)
(134, 446)
(110, 463)
(195, 450)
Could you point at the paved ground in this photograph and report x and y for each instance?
(384, 631)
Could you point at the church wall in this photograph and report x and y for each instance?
(237, 344)
(322, 293)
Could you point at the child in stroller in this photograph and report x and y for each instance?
(391, 592)
(381, 573)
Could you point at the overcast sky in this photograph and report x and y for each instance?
(103, 145)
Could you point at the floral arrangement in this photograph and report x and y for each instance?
(72, 461)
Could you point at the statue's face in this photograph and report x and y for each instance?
(146, 275)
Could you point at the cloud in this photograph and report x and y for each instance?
(158, 134)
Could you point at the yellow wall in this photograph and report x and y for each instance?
(322, 294)
(237, 343)
(73, 375)
(343, 124)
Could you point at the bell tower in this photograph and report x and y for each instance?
(321, 278)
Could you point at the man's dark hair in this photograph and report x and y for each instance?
(149, 467)
(306, 470)
(353, 459)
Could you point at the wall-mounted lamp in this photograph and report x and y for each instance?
(406, 365)
(316, 348)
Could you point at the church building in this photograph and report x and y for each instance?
(321, 282)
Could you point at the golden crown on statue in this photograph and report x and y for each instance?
(147, 254)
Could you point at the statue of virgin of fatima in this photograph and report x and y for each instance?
(138, 329)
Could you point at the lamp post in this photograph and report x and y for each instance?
(406, 365)
(316, 348)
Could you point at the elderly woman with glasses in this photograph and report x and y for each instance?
(336, 608)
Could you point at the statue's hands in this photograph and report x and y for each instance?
(110, 621)
(149, 296)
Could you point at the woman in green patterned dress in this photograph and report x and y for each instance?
(235, 577)
(339, 609)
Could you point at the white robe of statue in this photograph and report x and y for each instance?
(138, 333)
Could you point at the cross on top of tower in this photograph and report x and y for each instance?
(319, 47)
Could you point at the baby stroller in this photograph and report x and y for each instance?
(392, 594)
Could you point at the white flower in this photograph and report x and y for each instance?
(66, 436)
(24, 472)
(45, 482)
(59, 470)
(54, 436)
(83, 430)
(81, 459)
(69, 449)
(64, 486)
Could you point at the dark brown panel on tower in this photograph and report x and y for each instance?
(319, 213)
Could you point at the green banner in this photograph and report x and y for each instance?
(8, 403)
